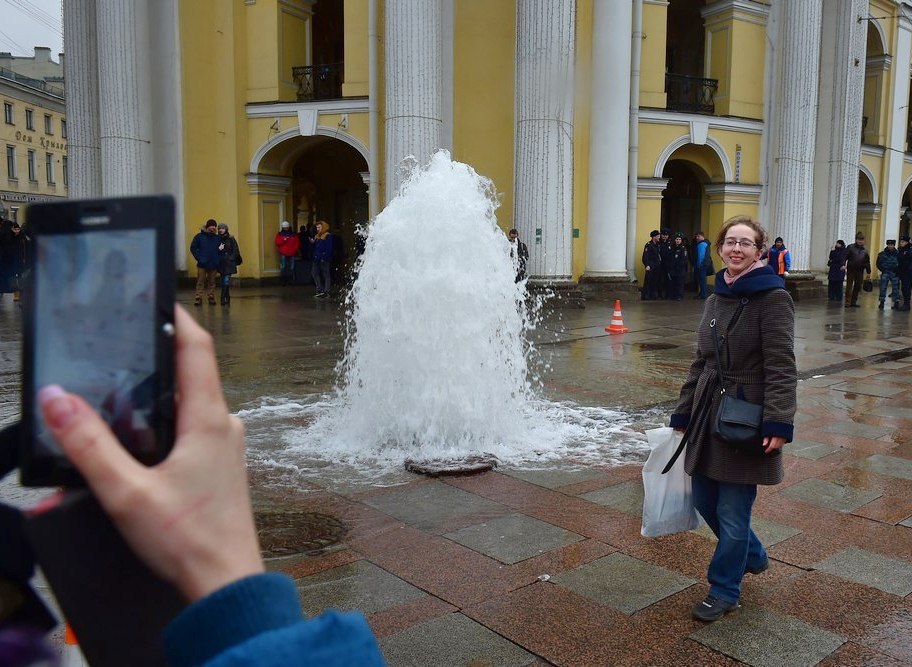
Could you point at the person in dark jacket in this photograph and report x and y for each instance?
(753, 315)
(205, 250)
(702, 261)
(231, 257)
(888, 265)
(519, 253)
(678, 264)
(13, 252)
(652, 260)
(858, 262)
(779, 258)
(322, 259)
(665, 252)
(905, 270)
(836, 273)
(190, 520)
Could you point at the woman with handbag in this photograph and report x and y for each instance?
(737, 407)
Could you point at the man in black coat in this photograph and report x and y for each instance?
(905, 270)
(666, 250)
(652, 260)
(858, 262)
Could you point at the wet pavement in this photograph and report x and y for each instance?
(546, 566)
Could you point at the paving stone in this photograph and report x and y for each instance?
(901, 378)
(554, 479)
(822, 381)
(623, 583)
(626, 497)
(889, 365)
(430, 504)
(856, 373)
(453, 639)
(867, 389)
(360, 585)
(871, 569)
(807, 449)
(763, 638)
(892, 411)
(769, 532)
(830, 495)
(513, 537)
(891, 466)
(857, 430)
(906, 522)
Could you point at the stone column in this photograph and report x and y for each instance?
(543, 151)
(797, 63)
(899, 125)
(81, 82)
(412, 73)
(842, 72)
(124, 88)
(606, 240)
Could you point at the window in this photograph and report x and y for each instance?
(32, 166)
(49, 167)
(10, 161)
(8, 113)
(66, 180)
(63, 128)
(29, 119)
(48, 124)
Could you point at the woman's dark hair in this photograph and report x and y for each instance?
(840, 243)
(759, 232)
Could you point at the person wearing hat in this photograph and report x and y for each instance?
(231, 257)
(652, 260)
(678, 264)
(836, 273)
(205, 250)
(905, 270)
(666, 244)
(888, 265)
(288, 245)
(779, 258)
(857, 262)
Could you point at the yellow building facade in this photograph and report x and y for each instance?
(596, 121)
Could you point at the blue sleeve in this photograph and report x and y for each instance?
(701, 253)
(788, 260)
(258, 621)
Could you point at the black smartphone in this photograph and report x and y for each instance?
(98, 301)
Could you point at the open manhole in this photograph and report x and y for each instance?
(288, 533)
(655, 346)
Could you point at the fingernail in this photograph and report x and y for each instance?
(56, 404)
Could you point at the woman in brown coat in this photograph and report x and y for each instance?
(754, 318)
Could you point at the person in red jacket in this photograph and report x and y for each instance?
(288, 244)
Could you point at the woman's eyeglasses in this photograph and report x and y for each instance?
(744, 243)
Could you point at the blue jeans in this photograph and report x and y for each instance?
(727, 510)
(700, 274)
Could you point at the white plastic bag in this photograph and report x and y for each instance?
(667, 499)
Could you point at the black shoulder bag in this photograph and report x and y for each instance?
(737, 423)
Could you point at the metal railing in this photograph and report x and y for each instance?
(690, 93)
(318, 82)
(30, 82)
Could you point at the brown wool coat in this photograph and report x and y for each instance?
(760, 348)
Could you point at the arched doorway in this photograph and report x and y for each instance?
(682, 199)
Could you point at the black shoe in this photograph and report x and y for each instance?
(855, 305)
(896, 306)
(758, 570)
(880, 305)
(712, 609)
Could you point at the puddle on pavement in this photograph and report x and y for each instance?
(289, 533)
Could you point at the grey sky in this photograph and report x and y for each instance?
(23, 26)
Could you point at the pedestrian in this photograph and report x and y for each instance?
(837, 271)
(677, 267)
(288, 244)
(13, 253)
(905, 270)
(205, 250)
(779, 258)
(237, 613)
(703, 264)
(857, 261)
(665, 252)
(888, 265)
(231, 259)
(652, 260)
(753, 316)
(322, 259)
(519, 253)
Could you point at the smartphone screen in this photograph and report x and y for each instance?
(98, 327)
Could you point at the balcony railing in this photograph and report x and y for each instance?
(32, 83)
(690, 93)
(318, 82)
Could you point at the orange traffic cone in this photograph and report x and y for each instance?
(617, 320)
(72, 656)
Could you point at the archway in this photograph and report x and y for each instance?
(683, 198)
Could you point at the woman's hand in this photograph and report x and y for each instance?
(188, 518)
(772, 442)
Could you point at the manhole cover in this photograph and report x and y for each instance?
(287, 533)
(656, 346)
